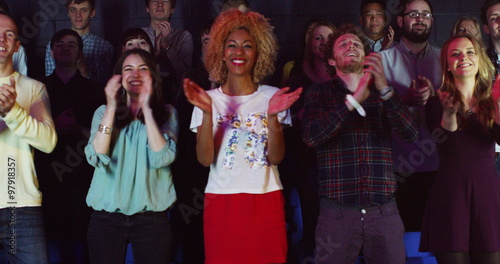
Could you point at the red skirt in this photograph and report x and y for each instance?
(245, 228)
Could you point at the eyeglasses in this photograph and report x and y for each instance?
(416, 14)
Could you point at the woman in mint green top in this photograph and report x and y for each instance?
(131, 146)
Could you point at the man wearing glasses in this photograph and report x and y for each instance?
(412, 67)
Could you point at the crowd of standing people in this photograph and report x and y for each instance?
(379, 136)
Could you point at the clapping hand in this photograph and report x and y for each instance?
(197, 96)
(282, 100)
(8, 96)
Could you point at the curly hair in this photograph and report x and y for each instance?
(482, 85)
(342, 30)
(308, 51)
(123, 116)
(258, 27)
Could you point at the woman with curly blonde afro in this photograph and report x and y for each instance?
(239, 135)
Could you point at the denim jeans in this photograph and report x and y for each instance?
(22, 235)
(149, 233)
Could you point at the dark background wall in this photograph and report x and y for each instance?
(39, 19)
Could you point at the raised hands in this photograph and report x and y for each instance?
(374, 66)
(197, 96)
(450, 106)
(161, 40)
(389, 39)
(8, 96)
(420, 90)
(111, 91)
(282, 100)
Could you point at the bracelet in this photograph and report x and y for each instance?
(356, 105)
(386, 93)
(104, 129)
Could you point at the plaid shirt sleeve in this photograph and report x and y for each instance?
(50, 65)
(323, 115)
(402, 120)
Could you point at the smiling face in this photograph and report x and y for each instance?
(373, 20)
(8, 39)
(80, 15)
(66, 51)
(240, 53)
(417, 29)
(462, 59)
(348, 54)
(136, 76)
(319, 39)
(160, 10)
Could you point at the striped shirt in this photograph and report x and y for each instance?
(354, 152)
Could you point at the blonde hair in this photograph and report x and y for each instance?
(455, 29)
(482, 85)
(258, 27)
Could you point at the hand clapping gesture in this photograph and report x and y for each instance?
(8, 96)
(282, 100)
(197, 96)
(111, 91)
(419, 95)
(450, 106)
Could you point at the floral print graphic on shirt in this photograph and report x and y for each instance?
(252, 129)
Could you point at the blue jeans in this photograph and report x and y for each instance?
(149, 233)
(22, 235)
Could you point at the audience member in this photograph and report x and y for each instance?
(98, 53)
(373, 21)
(461, 223)
(294, 67)
(136, 38)
(490, 12)
(348, 120)
(299, 168)
(132, 144)
(412, 68)
(64, 174)
(173, 46)
(467, 25)
(25, 124)
(239, 135)
(19, 58)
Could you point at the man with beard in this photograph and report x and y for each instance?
(373, 20)
(349, 120)
(412, 67)
(490, 12)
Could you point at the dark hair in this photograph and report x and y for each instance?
(160, 113)
(4, 7)
(207, 26)
(367, 2)
(135, 33)
(404, 3)
(91, 3)
(484, 9)
(66, 32)
(342, 30)
(172, 3)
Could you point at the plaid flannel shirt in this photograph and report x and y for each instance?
(354, 152)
